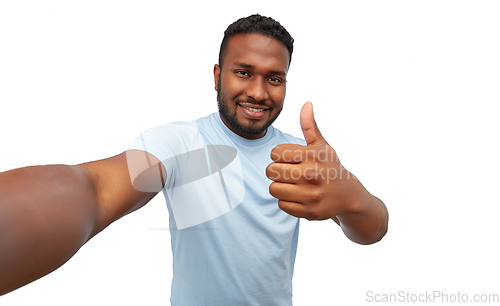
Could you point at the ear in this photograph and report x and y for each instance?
(216, 75)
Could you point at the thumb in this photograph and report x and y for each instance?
(312, 135)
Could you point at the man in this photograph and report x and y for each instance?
(235, 187)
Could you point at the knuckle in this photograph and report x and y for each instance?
(274, 171)
(315, 195)
(280, 205)
(313, 213)
(310, 154)
(273, 189)
(276, 153)
(269, 171)
(322, 155)
(311, 176)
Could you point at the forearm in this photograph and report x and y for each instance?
(46, 214)
(368, 223)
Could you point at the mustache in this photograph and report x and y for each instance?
(238, 101)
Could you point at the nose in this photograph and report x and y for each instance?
(257, 90)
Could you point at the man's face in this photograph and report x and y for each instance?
(251, 84)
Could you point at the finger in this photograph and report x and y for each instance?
(288, 153)
(312, 135)
(288, 192)
(293, 208)
(287, 173)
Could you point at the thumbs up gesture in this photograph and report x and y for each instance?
(309, 181)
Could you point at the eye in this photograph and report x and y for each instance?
(242, 73)
(275, 80)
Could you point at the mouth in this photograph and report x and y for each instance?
(253, 111)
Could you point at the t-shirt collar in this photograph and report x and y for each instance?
(241, 140)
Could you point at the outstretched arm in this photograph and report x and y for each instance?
(48, 212)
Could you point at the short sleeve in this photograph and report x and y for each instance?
(165, 142)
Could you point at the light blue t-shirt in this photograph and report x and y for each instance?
(231, 243)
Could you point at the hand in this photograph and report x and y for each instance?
(309, 181)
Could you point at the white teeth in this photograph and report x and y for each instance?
(253, 109)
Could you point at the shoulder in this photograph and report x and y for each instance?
(181, 129)
(168, 140)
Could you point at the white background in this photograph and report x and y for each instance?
(405, 91)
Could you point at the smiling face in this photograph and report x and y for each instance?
(251, 84)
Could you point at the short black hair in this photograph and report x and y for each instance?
(256, 24)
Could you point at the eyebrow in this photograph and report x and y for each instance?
(248, 66)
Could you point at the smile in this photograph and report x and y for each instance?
(253, 109)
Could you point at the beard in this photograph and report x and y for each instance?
(229, 115)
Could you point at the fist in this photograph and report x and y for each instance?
(309, 181)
